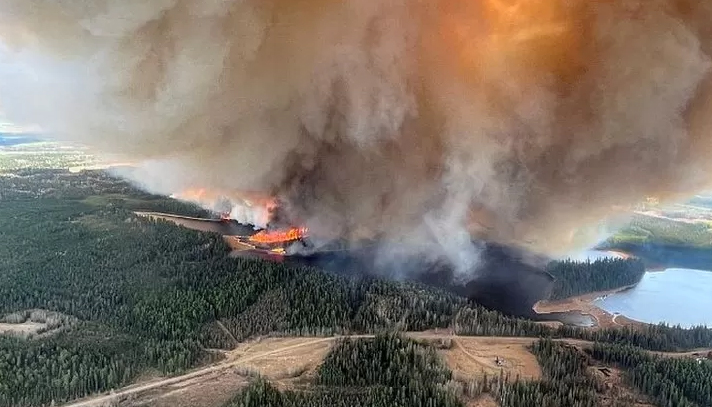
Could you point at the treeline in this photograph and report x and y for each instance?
(386, 371)
(661, 337)
(392, 371)
(665, 242)
(149, 295)
(676, 382)
(567, 380)
(475, 320)
(574, 278)
(649, 230)
(98, 188)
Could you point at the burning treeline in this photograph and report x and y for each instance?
(425, 122)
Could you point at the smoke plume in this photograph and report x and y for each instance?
(425, 122)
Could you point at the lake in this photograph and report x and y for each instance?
(675, 296)
(16, 139)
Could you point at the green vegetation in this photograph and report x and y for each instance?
(576, 278)
(385, 371)
(42, 155)
(703, 201)
(652, 230)
(567, 381)
(669, 381)
(147, 295)
(393, 371)
(652, 337)
(666, 242)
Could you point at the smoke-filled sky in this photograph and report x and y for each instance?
(424, 121)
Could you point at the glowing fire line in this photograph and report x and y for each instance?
(279, 236)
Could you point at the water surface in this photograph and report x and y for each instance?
(675, 296)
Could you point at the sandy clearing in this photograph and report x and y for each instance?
(300, 360)
(212, 390)
(470, 358)
(485, 400)
(585, 305)
(24, 329)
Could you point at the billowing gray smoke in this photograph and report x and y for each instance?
(423, 121)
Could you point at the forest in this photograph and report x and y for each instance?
(147, 295)
(392, 371)
(679, 382)
(574, 278)
(649, 230)
(661, 242)
(385, 371)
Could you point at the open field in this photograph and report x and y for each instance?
(24, 329)
(287, 362)
(236, 361)
(473, 357)
(33, 322)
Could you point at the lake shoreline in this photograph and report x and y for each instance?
(585, 305)
(677, 296)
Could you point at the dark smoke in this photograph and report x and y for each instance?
(422, 122)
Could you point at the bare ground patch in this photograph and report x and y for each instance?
(35, 322)
(616, 388)
(212, 390)
(295, 362)
(24, 329)
(585, 305)
(485, 400)
(474, 357)
(211, 386)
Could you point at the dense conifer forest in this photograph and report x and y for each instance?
(575, 278)
(393, 371)
(145, 294)
(668, 381)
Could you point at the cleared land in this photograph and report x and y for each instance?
(474, 357)
(613, 380)
(23, 329)
(483, 401)
(33, 322)
(288, 362)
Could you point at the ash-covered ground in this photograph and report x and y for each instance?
(507, 279)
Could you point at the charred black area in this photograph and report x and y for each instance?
(508, 279)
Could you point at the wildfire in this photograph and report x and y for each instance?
(279, 236)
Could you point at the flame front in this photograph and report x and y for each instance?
(279, 236)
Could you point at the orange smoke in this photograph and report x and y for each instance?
(279, 236)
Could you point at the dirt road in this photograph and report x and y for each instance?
(139, 388)
(239, 358)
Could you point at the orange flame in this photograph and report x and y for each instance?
(279, 236)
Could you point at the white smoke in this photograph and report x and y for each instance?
(423, 122)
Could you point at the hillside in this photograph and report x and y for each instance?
(662, 241)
